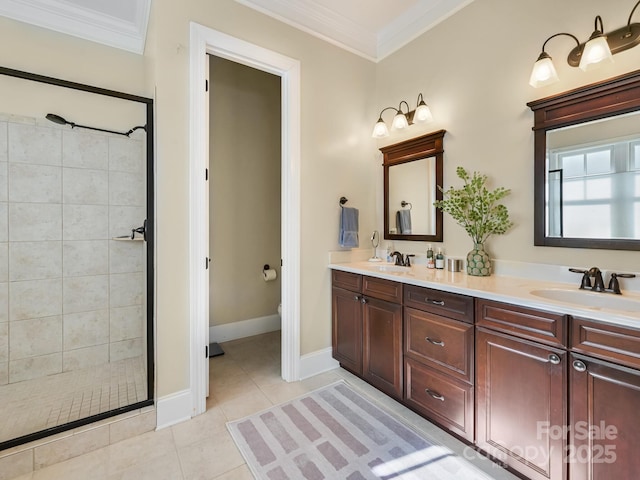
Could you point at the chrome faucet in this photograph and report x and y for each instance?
(598, 284)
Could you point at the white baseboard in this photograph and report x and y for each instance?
(244, 328)
(317, 362)
(174, 408)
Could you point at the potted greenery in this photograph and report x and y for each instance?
(477, 210)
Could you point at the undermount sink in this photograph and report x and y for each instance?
(389, 268)
(589, 299)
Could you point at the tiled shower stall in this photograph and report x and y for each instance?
(72, 281)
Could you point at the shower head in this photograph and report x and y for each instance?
(52, 117)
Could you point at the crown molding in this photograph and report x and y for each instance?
(85, 23)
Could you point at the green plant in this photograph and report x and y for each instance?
(475, 208)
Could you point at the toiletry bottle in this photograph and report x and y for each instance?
(430, 259)
(439, 260)
(389, 252)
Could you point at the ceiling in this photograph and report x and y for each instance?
(370, 28)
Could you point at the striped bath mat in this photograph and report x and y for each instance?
(335, 433)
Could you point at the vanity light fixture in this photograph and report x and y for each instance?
(596, 51)
(402, 119)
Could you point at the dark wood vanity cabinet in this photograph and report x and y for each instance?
(521, 388)
(438, 357)
(604, 401)
(367, 329)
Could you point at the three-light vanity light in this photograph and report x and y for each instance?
(596, 51)
(402, 119)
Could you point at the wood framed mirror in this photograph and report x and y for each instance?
(587, 166)
(412, 173)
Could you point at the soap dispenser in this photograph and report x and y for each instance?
(439, 260)
(389, 252)
(430, 260)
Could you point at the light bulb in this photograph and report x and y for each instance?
(399, 121)
(596, 52)
(380, 129)
(543, 73)
(422, 113)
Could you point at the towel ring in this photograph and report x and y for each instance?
(404, 204)
(343, 200)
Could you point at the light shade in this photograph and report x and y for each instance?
(596, 52)
(399, 121)
(380, 129)
(543, 73)
(422, 113)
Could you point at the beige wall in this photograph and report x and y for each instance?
(244, 194)
(473, 70)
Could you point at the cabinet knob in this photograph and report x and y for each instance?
(439, 343)
(434, 394)
(356, 298)
(554, 359)
(364, 300)
(579, 366)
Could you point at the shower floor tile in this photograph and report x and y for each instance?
(42, 403)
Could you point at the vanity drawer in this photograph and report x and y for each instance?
(452, 305)
(610, 342)
(347, 280)
(382, 289)
(442, 399)
(545, 327)
(441, 343)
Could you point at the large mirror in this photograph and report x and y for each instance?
(587, 166)
(412, 171)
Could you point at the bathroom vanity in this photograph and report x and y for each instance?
(547, 388)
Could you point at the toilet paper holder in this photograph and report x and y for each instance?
(266, 267)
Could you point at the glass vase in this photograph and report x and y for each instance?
(478, 261)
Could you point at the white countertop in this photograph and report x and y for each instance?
(501, 288)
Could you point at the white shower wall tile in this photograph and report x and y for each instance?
(32, 338)
(4, 302)
(33, 222)
(123, 219)
(34, 367)
(3, 141)
(85, 222)
(84, 294)
(85, 187)
(85, 257)
(125, 257)
(125, 155)
(126, 189)
(85, 357)
(86, 329)
(4, 222)
(35, 183)
(125, 289)
(4, 343)
(85, 150)
(126, 323)
(34, 144)
(4, 262)
(4, 373)
(35, 260)
(126, 349)
(4, 182)
(35, 299)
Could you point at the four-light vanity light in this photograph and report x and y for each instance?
(402, 119)
(596, 51)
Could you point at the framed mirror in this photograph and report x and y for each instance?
(587, 166)
(412, 171)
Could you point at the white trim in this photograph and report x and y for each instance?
(317, 362)
(244, 328)
(84, 22)
(204, 40)
(174, 408)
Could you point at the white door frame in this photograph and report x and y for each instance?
(205, 41)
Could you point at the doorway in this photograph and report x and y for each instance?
(207, 41)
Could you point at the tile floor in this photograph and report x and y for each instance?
(42, 403)
(244, 380)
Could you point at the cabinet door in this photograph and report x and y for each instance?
(346, 315)
(382, 349)
(521, 396)
(605, 423)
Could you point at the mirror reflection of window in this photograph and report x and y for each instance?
(593, 188)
